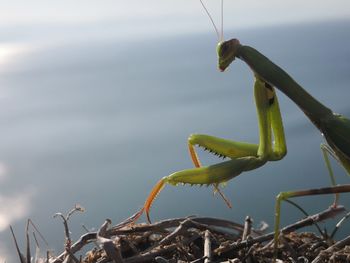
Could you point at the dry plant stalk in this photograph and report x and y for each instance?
(194, 239)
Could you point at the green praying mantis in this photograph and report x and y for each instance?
(244, 156)
(334, 127)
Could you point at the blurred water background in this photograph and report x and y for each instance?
(98, 120)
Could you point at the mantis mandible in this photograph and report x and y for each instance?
(272, 145)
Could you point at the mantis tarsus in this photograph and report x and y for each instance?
(272, 147)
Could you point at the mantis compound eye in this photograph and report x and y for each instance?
(223, 48)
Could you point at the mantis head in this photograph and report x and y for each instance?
(227, 51)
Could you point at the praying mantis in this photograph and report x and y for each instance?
(244, 156)
(334, 127)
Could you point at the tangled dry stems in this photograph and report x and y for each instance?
(201, 239)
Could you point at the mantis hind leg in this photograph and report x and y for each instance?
(334, 189)
(290, 194)
(326, 150)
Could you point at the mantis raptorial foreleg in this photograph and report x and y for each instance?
(222, 148)
(244, 156)
(270, 124)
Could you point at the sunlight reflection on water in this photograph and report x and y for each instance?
(10, 52)
(15, 206)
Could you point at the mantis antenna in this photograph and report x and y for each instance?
(222, 21)
(221, 34)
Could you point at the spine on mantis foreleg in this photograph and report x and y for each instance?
(277, 77)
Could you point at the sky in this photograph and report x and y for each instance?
(156, 17)
(252, 12)
(29, 25)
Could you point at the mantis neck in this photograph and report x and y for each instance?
(277, 77)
